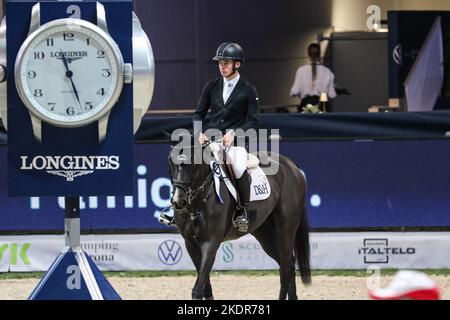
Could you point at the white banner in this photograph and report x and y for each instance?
(167, 251)
(424, 83)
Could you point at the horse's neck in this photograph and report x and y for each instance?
(201, 178)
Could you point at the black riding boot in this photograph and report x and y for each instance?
(240, 219)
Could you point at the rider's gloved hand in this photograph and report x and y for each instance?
(228, 138)
(202, 138)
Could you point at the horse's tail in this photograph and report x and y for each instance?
(302, 249)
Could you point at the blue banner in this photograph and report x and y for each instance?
(351, 184)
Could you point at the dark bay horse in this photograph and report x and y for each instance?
(279, 223)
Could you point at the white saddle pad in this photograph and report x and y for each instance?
(259, 189)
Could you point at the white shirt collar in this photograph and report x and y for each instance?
(233, 82)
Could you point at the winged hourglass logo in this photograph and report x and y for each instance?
(69, 175)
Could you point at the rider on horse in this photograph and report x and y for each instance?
(234, 105)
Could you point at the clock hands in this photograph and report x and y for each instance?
(69, 75)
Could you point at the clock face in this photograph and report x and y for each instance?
(69, 74)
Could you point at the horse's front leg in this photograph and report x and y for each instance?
(196, 256)
(208, 250)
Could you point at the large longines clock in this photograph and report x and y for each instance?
(70, 73)
(78, 78)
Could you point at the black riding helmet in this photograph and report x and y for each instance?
(228, 50)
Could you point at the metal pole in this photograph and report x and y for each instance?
(72, 222)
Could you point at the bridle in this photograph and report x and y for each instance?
(190, 192)
(194, 193)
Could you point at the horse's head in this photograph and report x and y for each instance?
(188, 172)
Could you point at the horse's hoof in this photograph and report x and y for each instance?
(209, 298)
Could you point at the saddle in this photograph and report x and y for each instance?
(216, 149)
(259, 188)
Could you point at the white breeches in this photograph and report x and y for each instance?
(237, 157)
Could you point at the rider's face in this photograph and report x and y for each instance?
(226, 67)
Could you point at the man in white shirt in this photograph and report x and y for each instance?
(313, 79)
(229, 85)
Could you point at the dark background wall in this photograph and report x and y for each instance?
(275, 34)
(360, 64)
(185, 34)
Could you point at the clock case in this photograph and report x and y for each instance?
(143, 73)
(124, 27)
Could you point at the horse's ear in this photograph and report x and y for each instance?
(167, 135)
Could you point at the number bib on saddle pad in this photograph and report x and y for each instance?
(259, 189)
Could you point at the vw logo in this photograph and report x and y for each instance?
(397, 54)
(170, 252)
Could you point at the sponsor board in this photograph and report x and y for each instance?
(340, 198)
(167, 252)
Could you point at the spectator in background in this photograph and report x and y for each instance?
(313, 79)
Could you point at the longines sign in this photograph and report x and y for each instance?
(70, 167)
(90, 157)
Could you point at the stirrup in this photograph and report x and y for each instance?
(166, 219)
(241, 222)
